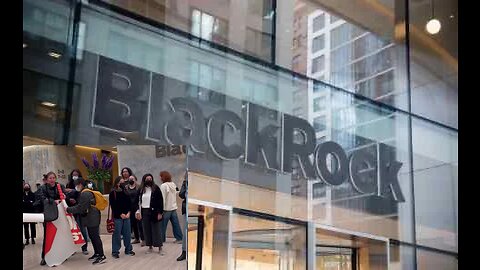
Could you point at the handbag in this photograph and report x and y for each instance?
(50, 210)
(110, 222)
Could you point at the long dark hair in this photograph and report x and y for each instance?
(142, 186)
(116, 181)
(130, 173)
(70, 176)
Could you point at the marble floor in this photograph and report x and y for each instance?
(31, 257)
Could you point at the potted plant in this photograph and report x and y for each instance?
(99, 173)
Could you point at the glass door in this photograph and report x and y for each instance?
(335, 258)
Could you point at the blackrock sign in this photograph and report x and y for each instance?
(126, 94)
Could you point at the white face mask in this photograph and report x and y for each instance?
(89, 185)
(74, 177)
(77, 188)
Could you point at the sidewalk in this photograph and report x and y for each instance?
(31, 257)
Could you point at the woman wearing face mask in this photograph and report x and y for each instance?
(28, 199)
(120, 204)
(74, 175)
(132, 191)
(150, 212)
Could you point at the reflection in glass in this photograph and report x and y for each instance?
(264, 244)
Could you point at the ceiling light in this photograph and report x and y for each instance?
(451, 16)
(433, 25)
(24, 45)
(123, 139)
(54, 55)
(48, 104)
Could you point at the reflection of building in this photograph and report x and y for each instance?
(206, 74)
(347, 56)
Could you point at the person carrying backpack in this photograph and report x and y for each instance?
(90, 218)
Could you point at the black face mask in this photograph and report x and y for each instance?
(122, 185)
(26, 189)
(148, 183)
(131, 182)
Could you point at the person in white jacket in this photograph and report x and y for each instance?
(169, 192)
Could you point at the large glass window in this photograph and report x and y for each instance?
(432, 260)
(209, 27)
(319, 23)
(318, 64)
(266, 244)
(318, 43)
(435, 164)
(258, 43)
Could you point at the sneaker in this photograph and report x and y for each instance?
(149, 250)
(43, 262)
(116, 256)
(27, 242)
(33, 241)
(142, 244)
(182, 257)
(160, 251)
(178, 242)
(93, 258)
(100, 260)
(131, 253)
(85, 252)
(136, 241)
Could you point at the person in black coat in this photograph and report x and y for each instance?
(48, 192)
(132, 189)
(120, 204)
(28, 200)
(183, 195)
(150, 212)
(90, 218)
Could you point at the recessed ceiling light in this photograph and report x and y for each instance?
(24, 45)
(48, 104)
(54, 55)
(433, 26)
(451, 16)
(123, 139)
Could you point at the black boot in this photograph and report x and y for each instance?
(43, 262)
(183, 256)
(33, 241)
(26, 242)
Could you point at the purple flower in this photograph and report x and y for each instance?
(110, 163)
(85, 162)
(95, 160)
(104, 161)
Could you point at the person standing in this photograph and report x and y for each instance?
(28, 199)
(169, 193)
(90, 218)
(150, 213)
(48, 192)
(120, 204)
(133, 190)
(72, 197)
(183, 194)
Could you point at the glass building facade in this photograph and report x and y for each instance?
(321, 134)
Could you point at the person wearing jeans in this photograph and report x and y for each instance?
(169, 194)
(120, 204)
(90, 218)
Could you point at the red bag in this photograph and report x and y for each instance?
(110, 222)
